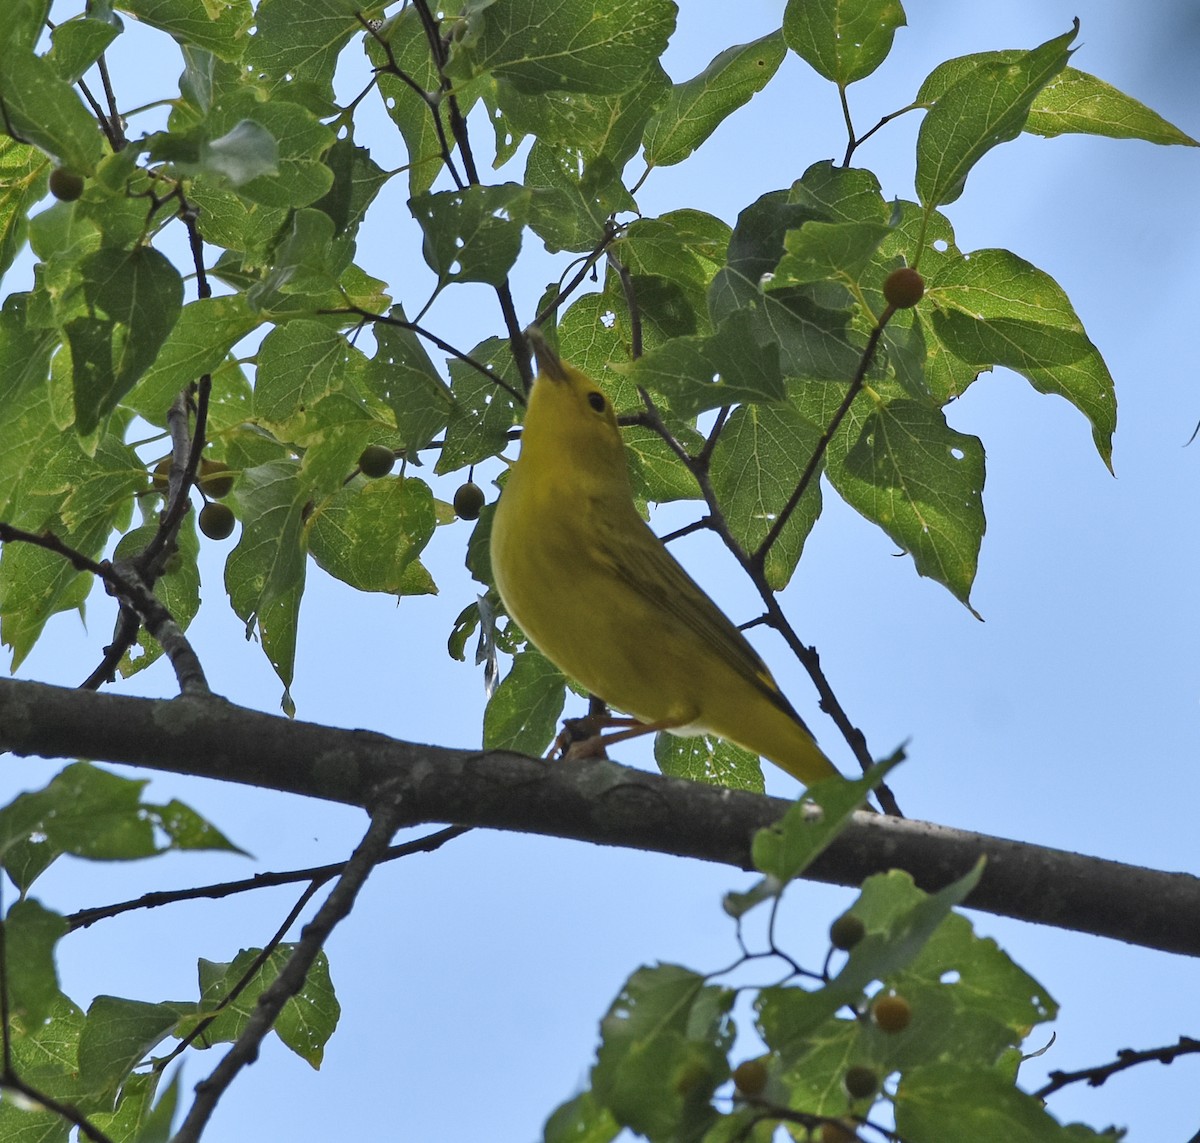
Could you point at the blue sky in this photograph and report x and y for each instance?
(472, 980)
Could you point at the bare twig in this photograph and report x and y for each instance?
(318, 874)
(1126, 1058)
(441, 343)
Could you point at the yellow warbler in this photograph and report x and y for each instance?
(601, 597)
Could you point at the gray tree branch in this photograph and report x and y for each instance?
(595, 801)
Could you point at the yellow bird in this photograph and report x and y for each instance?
(601, 597)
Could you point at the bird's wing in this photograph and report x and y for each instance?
(639, 559)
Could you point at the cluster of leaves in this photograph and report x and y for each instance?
(943, 1058)
(101, 1062)
(257, 175)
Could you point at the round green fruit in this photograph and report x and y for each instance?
(216, 480)
(65, 185)
(216, 521)
(860, 1082)
(846, 931)
(376, 461)
(469, 501)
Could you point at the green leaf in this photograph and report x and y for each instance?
(84, 811)
(585, 46)
(206, 331)
(307, 1019)
(698, 373)
(27, 428)
(693, 110)
(573, 199)
(138, 295)
(842, 40)
(608, 126)
(756, 466)
(264, 574)
(117, 1036)
(245, 152)
(483, 411)
(988, 106)
(43, 109)
(22, 171)
(402, 375)
(272, 153)
(297, 43)
(77, 43)
(222, 28)
(357, 179)
(31, 933)
(784, 850)
(1073, 102)
(155, 1127)
(369, 532)
(581, 1120)
(45, 1055)
(993, 308)
(827, 250)
(299, 364)
(952, 1101)
(472, 234)
(522, 714)
(663, 1052)
(1081, 103)
(706, 758)
(188, 830)
(903, 467)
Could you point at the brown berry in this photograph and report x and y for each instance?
(65, 185)
(469, 501)
(860, 1082)
(903, 288)
(891, 1013)
(216, 480)
(162, 474)
(216, 521)
(750, 1077)
(376, 461)
(847, 931)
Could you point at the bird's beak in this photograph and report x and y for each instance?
(549, 363)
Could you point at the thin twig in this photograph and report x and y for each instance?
(292, 975)
(611, 230)
(317, 873)
(441, 343)
(1126, 1058)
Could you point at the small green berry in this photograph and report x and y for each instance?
(65, 185)
(216, 521)
(376, 461)
(469, 501)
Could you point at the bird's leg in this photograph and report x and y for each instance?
(577, 732)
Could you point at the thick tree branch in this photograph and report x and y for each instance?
(596, 801)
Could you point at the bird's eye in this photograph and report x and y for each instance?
(596, 400)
